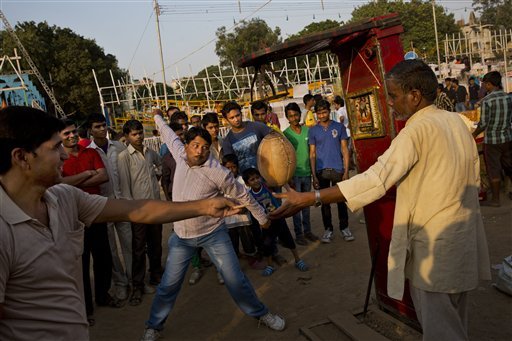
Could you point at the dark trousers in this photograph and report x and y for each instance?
(150, 235)
(327, 178)
(96, 244)
(244, 234)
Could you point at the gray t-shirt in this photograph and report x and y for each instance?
(41, 267)
(245, 144)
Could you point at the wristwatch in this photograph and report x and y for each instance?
(318, 202)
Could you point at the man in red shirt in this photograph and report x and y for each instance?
(85, 169)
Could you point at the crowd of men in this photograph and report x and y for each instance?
(67, 198)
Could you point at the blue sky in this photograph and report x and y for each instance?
(127, 28)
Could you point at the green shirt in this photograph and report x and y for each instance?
(300, 143)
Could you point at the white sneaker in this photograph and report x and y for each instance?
(327, 237)
(150, 335)
(273, 321)
(195, 277)
(219, 278)
(347, 235)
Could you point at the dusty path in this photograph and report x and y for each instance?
(337, 281)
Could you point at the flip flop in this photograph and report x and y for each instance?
(301, 265)
(268, 271)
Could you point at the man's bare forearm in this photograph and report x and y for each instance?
(150, 211)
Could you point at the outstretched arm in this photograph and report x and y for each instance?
(160, 212)
(295, 201)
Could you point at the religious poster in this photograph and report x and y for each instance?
(364, 114)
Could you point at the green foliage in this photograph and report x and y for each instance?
(417, 20)
(247, 37)
(316, 27)
(69, 59)
(495, 12)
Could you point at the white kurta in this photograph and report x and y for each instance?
(438, 241)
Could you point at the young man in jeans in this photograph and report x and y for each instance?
(297, 134)
(329, 157)
(199, 175)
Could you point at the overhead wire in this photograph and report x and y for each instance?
(140, 40)
(214, 39)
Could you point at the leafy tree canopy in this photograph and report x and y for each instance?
(495, 12)
(68, 58)
(417, 20)
(247, 37)
(316, 27)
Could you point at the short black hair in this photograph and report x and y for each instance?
(307, 98)
(258, 105)
(175, 126)
(210, 117)
(179, 115)
(291, 106)
(132, 125)
(455, 80)
(82, 132)
(339, 100)
(95, 118)
(194, 132)
(246, 174)
(230, 158)
(230, 106)
(69, 122)
(322, 104)
(198, 116)
(415, 75)
(172, 107)
(318, 97)
(26, 128)
(493, 77)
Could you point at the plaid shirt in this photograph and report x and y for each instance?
(496, 117)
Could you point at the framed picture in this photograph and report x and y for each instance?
(364, 114)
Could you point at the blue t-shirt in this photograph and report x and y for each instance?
(327, 144)
(245, 144)
(265, 198)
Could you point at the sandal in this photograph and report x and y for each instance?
(301, 265)
(136, 297)
(268, 271)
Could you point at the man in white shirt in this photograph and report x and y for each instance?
(109, 151)
(438, 241)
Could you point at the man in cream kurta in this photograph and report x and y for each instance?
(438, 241)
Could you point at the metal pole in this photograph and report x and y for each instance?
(504, 45)
(157, 12)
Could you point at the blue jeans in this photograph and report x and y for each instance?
(301, 219)
(460, 107)
(218, 246)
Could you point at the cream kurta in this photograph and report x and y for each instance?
(438, 241)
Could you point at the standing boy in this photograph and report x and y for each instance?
(298, 137)
(329, 158)
(138, 181)
(109, 151)
(85, 169)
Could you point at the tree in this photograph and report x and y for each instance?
(67, 59)
(417, 21)
(316, 27)
(248, 36)
(495, 12)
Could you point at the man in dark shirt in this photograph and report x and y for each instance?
(461, 96)
(449, 90)
(474, 90)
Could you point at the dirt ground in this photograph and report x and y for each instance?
(336, 282)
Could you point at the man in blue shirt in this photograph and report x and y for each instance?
(328, 154)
